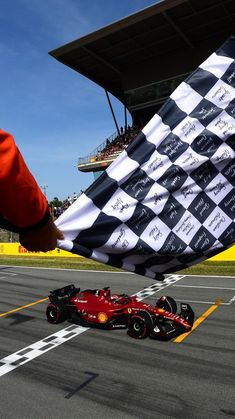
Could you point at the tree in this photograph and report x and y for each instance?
(55, 202)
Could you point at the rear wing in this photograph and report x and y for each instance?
(60, 293)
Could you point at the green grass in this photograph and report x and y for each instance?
(211, 268)
(56, 262)
(205, 268)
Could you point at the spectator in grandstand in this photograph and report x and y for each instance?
(59, 211)
(55, 212)
(64, 206)
(112, 149)
(23, 206)
(70, 200)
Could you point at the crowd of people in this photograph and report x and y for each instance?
(121, 142)
(56, 211)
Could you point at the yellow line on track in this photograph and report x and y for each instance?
(22, 307)
(199, 321)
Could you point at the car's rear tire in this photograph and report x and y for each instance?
(56, 313)
(140, 325)
(167, 303)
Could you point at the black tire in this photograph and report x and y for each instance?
(56, 313)
(140, 325)
(187, 313)
(167, 303)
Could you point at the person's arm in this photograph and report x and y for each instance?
(43, 239)
(22, 202)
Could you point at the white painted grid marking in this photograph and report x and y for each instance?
(202, 286)
(207, 302)
(9, 274)
(27, 354)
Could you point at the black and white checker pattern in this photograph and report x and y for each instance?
(36, 349)
(157, 286)
(168, 201)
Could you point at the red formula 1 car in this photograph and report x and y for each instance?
(100, 308)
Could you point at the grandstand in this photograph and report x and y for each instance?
(142, 58)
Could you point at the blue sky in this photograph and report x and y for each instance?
(54, 113)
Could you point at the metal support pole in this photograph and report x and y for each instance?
(44, 189)
(111, 108)
(125, 117)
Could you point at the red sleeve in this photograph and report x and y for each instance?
(21, 200)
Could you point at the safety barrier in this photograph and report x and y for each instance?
(227, 255)
(16, 249)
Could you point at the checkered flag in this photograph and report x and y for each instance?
(168, 200)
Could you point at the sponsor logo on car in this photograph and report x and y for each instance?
(76, 300)
(91, 316)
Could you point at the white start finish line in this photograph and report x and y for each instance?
(36, 349)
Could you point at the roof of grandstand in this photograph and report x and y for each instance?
(170, 37)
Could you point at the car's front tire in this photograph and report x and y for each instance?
(140, 325)
(56, 313)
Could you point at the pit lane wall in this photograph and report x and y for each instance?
(15, 249)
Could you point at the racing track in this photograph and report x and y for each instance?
(101, 374)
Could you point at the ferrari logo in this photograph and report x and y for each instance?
(129, 310)
(102, 317)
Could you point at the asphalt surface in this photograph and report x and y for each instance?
(106, 374)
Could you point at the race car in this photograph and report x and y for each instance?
(100, 308)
